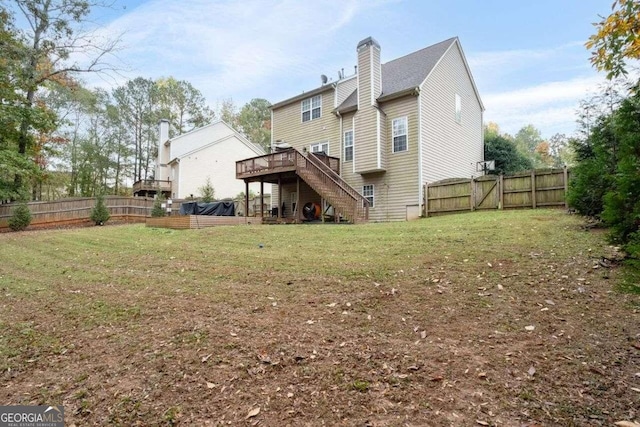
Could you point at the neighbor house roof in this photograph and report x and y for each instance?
(256, 148)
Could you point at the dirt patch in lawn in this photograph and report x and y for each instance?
(498, 318)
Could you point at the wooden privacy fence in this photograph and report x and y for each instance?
(79, 209)
(538, 188)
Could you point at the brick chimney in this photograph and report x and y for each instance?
(162, 170)
(370, 125)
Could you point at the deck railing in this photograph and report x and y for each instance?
(331, 185)
(151, 185)
(281, 161)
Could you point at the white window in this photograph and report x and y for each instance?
(320, 147)
(348, 146)
(312, 108)
(458, 108)
(367, 192)
(400, 134)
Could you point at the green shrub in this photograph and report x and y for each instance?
(158, 211)
(100, 213)
(21, 217)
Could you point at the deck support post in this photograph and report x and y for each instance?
(261, 198)
(297, 210)
(246, 198)
(279, 197)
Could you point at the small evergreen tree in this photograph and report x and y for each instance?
(207, 192)
(100, 213)
(158, 211)
(21, 217)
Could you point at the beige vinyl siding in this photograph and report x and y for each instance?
(345, 88)
(287, 125)
(347, 125)
(366, 151)
(397, 188)
(450, 149)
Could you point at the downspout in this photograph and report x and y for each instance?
(482, 135)
(420, 177)
(341, 141)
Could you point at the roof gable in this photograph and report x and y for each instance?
(409, 71)
(257, 149)
(399, 76)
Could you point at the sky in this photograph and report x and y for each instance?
(527, 57)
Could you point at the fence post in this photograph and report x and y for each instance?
(426, 200)
(533, 189)
(472, 196)
(501, 192)
(566, 186)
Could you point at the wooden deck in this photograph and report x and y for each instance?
(149, 187)
(319, 171)
(268, 167)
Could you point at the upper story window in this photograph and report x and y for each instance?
(348, 146)
(458, 108)
(312, 108)
(400, 134)
(368, 193)
(321, 147)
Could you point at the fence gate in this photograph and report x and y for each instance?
(531, 189)
(486, 192)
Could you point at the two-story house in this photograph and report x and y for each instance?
(388, 129)
(185, 162)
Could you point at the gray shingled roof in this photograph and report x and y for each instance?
(409, 71)
(405, 73)
(349, 103)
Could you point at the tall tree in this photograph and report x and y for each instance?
(254, 121)
(617, 38)
(228, 112)
(182, 104)
(528, 138)
(136, 102)
(53, 42)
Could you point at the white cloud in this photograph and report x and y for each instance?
(226, 48)
(551, 107)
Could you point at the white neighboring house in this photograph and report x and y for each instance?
(187, 160)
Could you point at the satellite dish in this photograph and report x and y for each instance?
(323, 78)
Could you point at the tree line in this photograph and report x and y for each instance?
(525, 150)
(59, 137)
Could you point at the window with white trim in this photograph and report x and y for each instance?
(320, 147)
(458, 108)
(400, 135)
(348, 146)
(312, 108)
(368, 193)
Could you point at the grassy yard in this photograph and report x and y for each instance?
(497, 318)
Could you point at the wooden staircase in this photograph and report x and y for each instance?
(346, 201)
